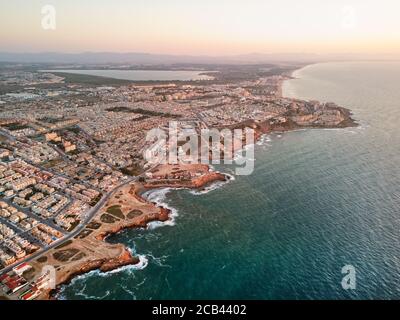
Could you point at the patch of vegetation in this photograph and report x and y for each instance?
(92, 80)
(93, 225)
(134, 213)
(120, 109)
(4, 89)
(84, 234)
(133, 170)
(74, 129)
(79, 256)
(73, 152)
(116, 211)
(42, 259)
(51, 120)
(15, 126)
(73, 225)
(144, 112)
(65, 255)
(155, 113)
(95, 200)
(106, 218)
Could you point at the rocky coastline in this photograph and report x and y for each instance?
(128, 208)
(124, 256)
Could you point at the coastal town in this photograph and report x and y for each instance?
(72, 165)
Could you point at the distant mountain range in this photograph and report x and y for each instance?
(147, 58)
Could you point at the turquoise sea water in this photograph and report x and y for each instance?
(317, 201)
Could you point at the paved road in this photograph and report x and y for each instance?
(7, 135)
(89, 217)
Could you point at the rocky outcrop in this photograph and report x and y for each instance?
(123, 260)
(194, 183)
(104, 265)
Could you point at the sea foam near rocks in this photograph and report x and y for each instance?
(213, 186)
(159, 196)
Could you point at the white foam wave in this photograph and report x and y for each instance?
(332, 129)
(89, 297)
(263, 140)
(143, 262)
(128, 291)
(214, 186)
(158, 196)
(159, 261)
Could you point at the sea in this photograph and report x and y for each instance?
(318, 201)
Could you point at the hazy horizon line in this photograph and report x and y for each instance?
(196, 55)
(114, 57)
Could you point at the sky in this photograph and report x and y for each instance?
(202, 27)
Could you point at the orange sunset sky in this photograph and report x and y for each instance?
(206, 27)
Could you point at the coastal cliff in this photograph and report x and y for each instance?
(127, 209)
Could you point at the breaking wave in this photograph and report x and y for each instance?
(159, 196)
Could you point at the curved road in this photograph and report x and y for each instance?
(89, 217)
